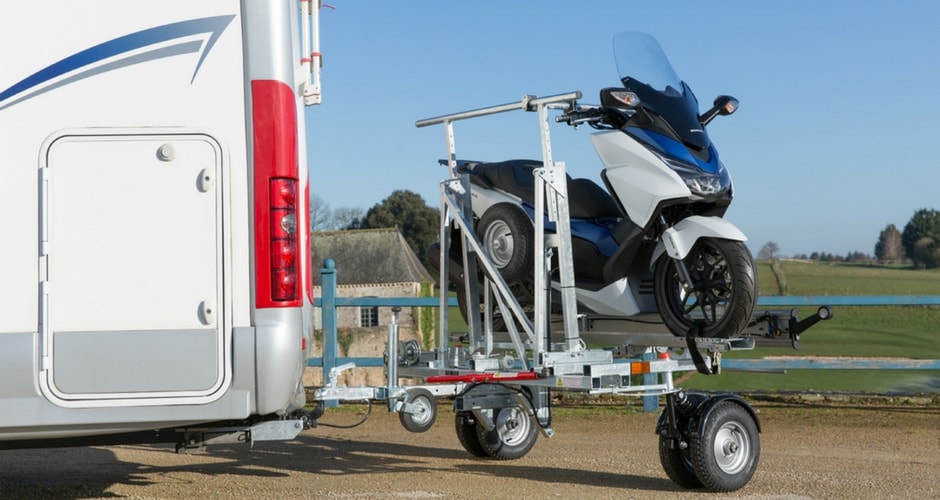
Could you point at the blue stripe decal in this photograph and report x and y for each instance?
(169, 51)
(676, 149)
(212, 25)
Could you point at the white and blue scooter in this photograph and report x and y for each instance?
(654, 240)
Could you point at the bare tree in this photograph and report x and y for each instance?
(347, 218)
(324, 218)
(769, 251)
(320, 214)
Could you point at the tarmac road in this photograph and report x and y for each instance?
(807, 452)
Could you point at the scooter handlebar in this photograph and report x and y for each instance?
(577, 117)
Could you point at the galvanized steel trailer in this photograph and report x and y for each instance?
(501, 381)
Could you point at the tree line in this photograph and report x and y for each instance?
(918, 243)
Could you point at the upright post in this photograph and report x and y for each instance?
(392, 366)
(330, 337)
(443, 282)
(650, 401)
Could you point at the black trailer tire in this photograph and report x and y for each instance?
(515, 434)
(424, 413)
(466, 426)
(726, 451)
(677, 464)
(508, 239)
(724, 290)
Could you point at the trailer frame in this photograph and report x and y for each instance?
(501, 382)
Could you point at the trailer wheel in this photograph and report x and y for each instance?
(677, 464)
(726, 452)
(513, 436)
(723, 294)
(466, 426)
(422, 412)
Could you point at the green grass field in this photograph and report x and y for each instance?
(817, 278)
(858, 331)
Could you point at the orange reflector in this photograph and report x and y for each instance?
(640, 368)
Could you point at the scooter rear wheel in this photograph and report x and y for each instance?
(508, 240)
(723, 293)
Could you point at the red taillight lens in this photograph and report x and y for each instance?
(284, 266)
(283, 194)
(283, 254)
(278, 252)
(284, 284)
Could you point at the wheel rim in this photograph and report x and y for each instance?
(512, 426)
(422, 412)
(732, 448)
(498, 243)
(711, 292)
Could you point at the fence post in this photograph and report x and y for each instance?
(330, 337)
(650, 402)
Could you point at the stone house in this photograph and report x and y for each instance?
(368, 263)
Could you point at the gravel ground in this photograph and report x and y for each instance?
(808, 451)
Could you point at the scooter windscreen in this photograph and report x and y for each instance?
(645, 70)
(639, 56)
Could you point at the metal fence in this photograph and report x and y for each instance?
(329, 302)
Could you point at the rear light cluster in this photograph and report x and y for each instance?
(284, 240)
(279, 242)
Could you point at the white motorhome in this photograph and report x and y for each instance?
(155, 275)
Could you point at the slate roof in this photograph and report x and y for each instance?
(367, 256)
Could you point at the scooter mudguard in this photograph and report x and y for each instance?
(678, 240)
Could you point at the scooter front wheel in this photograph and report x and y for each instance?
(722, 293)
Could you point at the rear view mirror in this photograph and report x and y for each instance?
(724, 105)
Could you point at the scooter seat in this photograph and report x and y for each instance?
(587, 200)
(590, 201)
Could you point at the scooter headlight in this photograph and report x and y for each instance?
(699, 182)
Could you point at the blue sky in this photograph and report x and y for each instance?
(836, 136)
